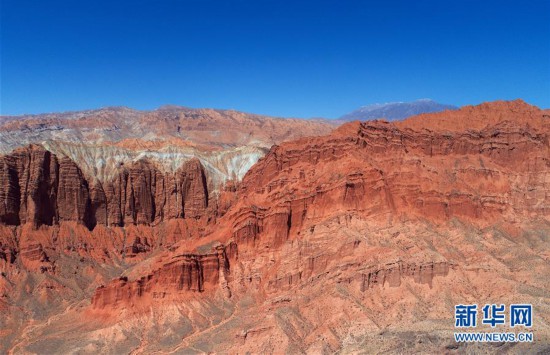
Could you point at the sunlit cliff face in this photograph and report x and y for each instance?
(364, 238)
(105, 161)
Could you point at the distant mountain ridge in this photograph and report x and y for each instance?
(395, 111)
(101, 141)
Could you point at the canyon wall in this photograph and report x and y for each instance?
(38, 187)
(371, 232)
(388, 174)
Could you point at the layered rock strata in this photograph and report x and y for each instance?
(369, 235)
(38, 187)
(390, 173)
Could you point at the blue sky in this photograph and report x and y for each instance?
(276, 57)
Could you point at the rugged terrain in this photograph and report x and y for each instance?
(226, 142)
(362, 240)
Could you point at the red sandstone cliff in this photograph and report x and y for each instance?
(40, 188)
(368, 235)
(499, 173)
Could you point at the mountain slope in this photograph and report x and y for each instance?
(198, 127)
(360, 240)
(395, 111)
(226, 142)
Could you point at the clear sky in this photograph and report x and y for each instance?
(276, 57)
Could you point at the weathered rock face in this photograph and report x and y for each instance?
(144, 195)
(227, 142)
(369, 235)
(37, 187)
(384, 168)
(182, 274)
(380, 171)
(392, 274)
(29, 187)
(73, 200)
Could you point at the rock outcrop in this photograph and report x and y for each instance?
(39, 188)
(182, 274)
(393, 274)
(432, 172)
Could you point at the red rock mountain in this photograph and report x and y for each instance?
(360, 240)
(41, 188)
(226, 142)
